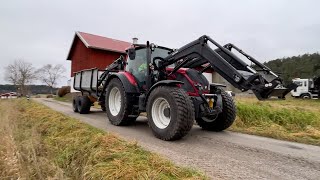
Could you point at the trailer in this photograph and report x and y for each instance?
(168, 85)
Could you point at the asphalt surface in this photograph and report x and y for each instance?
(223, 155)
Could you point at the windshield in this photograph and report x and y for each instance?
(138, 66)
(159, 52)
(299, 83)
(140, 61)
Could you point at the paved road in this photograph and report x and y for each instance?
(223, 155)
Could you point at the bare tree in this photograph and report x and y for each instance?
(20, 74)
(50, 74)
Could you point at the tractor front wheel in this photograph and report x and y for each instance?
(118, 104)
(170, 112)
(224, 120)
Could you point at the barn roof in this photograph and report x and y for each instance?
(99, 42)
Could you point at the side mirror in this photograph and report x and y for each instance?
(132, 53)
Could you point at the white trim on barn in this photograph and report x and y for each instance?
(71, 86)
(82, 39)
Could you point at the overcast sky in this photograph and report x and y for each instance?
(41, 31)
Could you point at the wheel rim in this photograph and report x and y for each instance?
(306, 97)
(161, 115)
(115, 101)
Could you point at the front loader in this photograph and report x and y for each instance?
(169, 85)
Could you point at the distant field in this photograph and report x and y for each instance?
(292, 119)
(39, 143)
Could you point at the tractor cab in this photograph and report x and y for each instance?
(137, 62)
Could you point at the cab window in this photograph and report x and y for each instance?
(299, 83)
(138, 66)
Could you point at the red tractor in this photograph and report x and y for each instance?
(169, 85)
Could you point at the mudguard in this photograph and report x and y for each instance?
(128, 81)
(164, 82)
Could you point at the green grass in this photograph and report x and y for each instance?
(292, 119)
(66, 98)
(62, 99)
(52, 145)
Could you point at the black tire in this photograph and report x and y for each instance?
(84, 105)
(181, 112)
(305, 96)
(123, 117)
(225, 119)
(103, 108)
(75, 104)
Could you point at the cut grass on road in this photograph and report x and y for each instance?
(39, 143)
(292, 119)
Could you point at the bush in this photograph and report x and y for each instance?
(63, 91)
(49, 96)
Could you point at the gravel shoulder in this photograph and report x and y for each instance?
(223, 155)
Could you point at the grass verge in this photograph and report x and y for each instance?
(292, 119)
(66, 98)
(62, 99)
(41, 143)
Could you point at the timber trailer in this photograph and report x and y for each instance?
(169, 85)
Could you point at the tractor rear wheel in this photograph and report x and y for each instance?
(118, 104)
(170, 112)
(84, 105)
(225, 119)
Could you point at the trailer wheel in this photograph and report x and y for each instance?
(117, 104)
(75, 104)
(225, 119)
(170, 112)
(84, 105)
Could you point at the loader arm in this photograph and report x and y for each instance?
(258, 78)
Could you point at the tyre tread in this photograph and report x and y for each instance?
(185, 116)
(125, 119)
(85, 105)
(225, 119)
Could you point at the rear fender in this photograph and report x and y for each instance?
(130, 87)
(127, 80)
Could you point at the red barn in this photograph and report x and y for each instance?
(92, 51)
